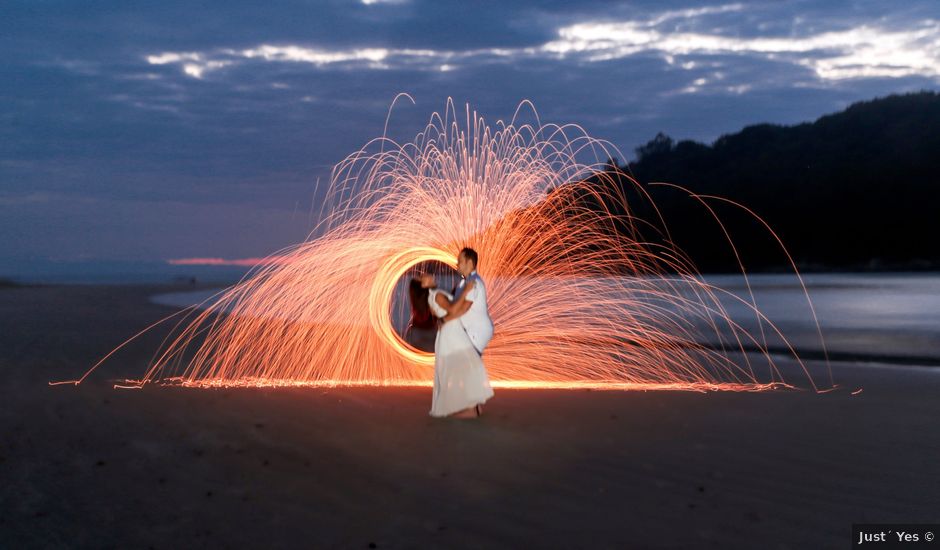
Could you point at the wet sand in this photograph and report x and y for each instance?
(94, 467)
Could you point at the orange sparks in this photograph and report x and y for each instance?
(578, 299)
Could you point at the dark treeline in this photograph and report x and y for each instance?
(854, 190)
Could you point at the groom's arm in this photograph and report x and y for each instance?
(457, 311)
(461, 305)
(453, 309)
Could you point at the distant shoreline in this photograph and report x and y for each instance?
(848, 344)
(12, 281)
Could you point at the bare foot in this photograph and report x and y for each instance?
(466, 413)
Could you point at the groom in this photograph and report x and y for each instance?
(470, 302)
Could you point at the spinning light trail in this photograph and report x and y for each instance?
(577, 298)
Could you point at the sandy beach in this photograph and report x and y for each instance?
(94, 467)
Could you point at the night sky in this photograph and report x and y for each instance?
(145, 131)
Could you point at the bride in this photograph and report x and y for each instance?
(460, 381)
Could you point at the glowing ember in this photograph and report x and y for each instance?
(575, 303)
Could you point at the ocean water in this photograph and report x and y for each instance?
(882, 317)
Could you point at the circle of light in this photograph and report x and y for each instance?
(380, 297)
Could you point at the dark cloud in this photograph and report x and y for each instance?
(123, 119)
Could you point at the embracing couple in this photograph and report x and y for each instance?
(461, 385)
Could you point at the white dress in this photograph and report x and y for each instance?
(460, 379)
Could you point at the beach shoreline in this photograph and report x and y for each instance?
(92, 466)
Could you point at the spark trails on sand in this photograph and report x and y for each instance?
(578, 298)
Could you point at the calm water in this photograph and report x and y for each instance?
(883, 317)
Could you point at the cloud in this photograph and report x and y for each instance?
(194, 64)
(694, 12)
(174, 136)
(862, 51)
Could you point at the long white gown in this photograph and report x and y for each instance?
(460, 379)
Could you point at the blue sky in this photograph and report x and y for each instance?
(142, 131)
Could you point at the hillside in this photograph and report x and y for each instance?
(857, 190)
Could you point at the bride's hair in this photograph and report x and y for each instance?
(419, 299)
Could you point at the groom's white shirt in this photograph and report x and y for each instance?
(476, 321)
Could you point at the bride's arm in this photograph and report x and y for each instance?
(460, 306)
(445, 304)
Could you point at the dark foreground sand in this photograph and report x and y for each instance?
(95, 467)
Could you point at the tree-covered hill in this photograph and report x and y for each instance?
(858, 189)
